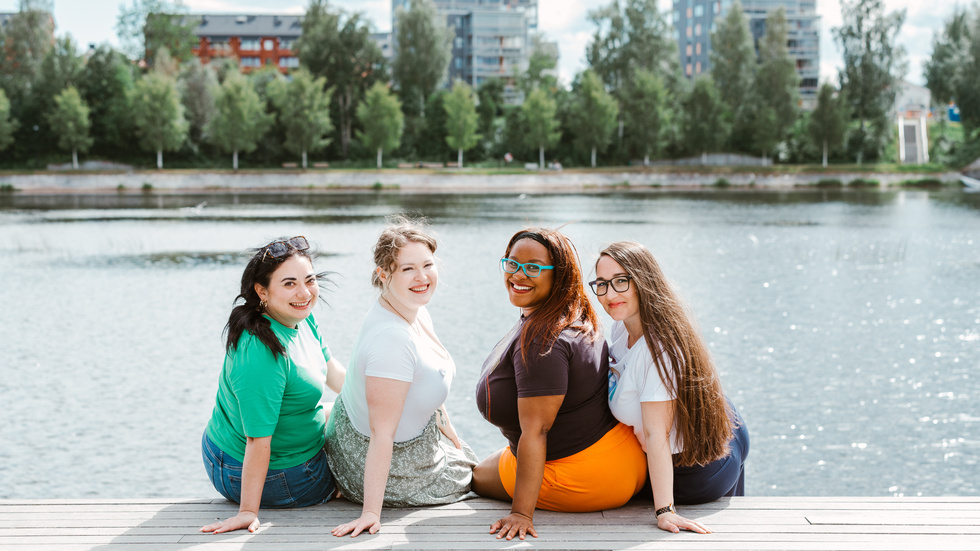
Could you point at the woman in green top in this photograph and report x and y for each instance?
(264, 443)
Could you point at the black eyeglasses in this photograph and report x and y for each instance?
(620, 284)
(279, 248)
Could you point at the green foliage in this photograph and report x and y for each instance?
(158, 114)
(7, 188)
(540, 112)
(542, 60)
(829, 183)
(303, 106)
(382, 121)
(146, 26)
(647, 119)
(240, 118)
(461, 118)
(733, 66)
(950, 47)
(702, 127)
(828, 122)
(70, 123)
(922, 183)
(26, 41)
(424, 46)
(873, 63)
(863, 182)
(62, 67)
(7, 125)
(722, 183)
(632, 35)
(105, 84)
(339, 47)
(595, 115)
(776, 86)
(198, 85)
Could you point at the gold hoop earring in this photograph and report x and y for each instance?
(262, 305)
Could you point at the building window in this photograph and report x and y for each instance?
(698, 68)
(459, 62)
(717, 8)
(251, 61)
(698, 10)
(698, 48)
(688, 69)
(248, 44)
(689, 13)
(459, 42)
(513, 42)
(286, 43)
(689, 32)
(220, 45)
(689, 50)
(268, 44)
(289, 62)
(697, 29)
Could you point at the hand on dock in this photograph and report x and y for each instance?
(244, 519)
(370, 522)
(514, 524)
(672, 522)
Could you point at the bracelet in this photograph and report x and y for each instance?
(668, 509)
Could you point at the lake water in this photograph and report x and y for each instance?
(846, 324)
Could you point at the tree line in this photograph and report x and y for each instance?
(347, 105)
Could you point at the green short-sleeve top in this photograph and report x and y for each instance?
(261, 395)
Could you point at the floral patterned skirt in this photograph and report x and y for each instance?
(426, 470)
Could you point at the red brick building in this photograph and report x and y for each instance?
(256, 40)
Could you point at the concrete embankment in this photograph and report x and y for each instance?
(423, 181)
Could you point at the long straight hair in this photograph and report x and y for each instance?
(681, 357)
(248, 316)
(568, 304)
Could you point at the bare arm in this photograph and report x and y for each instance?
(254, 470)
(446, 426)
(537, 415)
(386, 400)
(336, 373)
(658, 421)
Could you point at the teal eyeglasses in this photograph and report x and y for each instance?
(530, 269)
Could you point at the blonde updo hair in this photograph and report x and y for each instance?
(398, 233)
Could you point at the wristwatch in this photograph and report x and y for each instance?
(668, 509)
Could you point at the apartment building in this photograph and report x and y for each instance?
(492, 39)
(256, 40)
(695, 20)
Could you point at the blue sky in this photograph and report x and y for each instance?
(93, 21)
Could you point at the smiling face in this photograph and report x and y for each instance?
(412, 280)
(525, 292)
(623, 306)
(292, 291)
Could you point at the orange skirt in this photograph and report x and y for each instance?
(603, 476)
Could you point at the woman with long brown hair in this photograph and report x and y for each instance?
(545, 386)
(666, 388)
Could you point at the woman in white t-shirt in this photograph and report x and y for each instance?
(389, 438)
(663, 383)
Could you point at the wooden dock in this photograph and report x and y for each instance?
(738, 523)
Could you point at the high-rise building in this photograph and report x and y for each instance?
(492, 39)
(695, 20)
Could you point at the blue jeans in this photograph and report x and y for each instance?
(306, 484)
(724, 477)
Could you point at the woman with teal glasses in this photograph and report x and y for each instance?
(545, 387)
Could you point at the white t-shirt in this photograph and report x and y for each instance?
(633, 378)
(388, 347)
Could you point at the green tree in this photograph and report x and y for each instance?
(950, 46)
(540, 112)
(303, 107)
(381, 117)
(873, 64)
(645, 102)
(631, 35)
(146, 26)
(26, 41)
(541, 64)
(198, 83)
(733, 66)
(158, 114)
(240, 119)
(339, 47)
(461, 119)
(776, 96)
(105, 85)
(491, 96)
(828, 122)
(70, 123)
(7, 125)
(595, 114)
(424, 45)
(703, 127)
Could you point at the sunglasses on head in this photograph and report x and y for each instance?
(277, 249)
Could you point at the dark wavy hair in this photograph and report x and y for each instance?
(680, 355)
(568, 305)
(247, 314)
